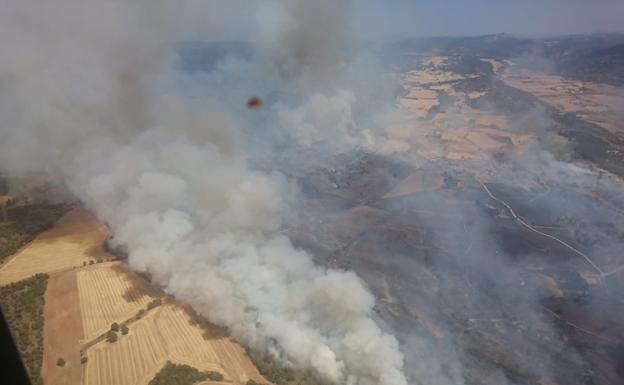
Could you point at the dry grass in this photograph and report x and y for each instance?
(74, 239)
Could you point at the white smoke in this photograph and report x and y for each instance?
(323, 118)
(309, 40)
(205, 227)
(79, 99)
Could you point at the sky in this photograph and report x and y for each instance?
(475, 17)
(237, 19)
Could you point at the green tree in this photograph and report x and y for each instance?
(111, 336)
(214, 376)
(155, 303)
(60, 362)
(124, 330)
(115, 327)
(172, 374)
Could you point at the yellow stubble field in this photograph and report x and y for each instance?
(166, 334)
(108, 294)
(76, 238)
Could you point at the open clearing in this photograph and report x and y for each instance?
(166, 333)
(108, 294)
(74, 239)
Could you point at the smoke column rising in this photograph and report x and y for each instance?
(79, 100)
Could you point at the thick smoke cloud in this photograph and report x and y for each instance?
(306, 53)
(321, 118)
(83, 99)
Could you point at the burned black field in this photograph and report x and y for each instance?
(454, 265)
(508, 266)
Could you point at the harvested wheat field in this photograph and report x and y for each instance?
(419, 107)
(109, 294)
(166, 333)
(76, 238)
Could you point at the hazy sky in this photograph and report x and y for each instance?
(236, 19)
(470, 17)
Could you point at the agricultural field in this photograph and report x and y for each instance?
(108, 294)
(441, 118)
(20, 224)
(75, 239)
(601, 104)
(62, 330)
(62, 333)
(166, 333)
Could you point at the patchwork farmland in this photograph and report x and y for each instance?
(88, 291)
(166, 334)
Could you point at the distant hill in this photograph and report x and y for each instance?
(598, 57)
(603, 65)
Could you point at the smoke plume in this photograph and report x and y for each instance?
(84, 96)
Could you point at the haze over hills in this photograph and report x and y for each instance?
(427, 211)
